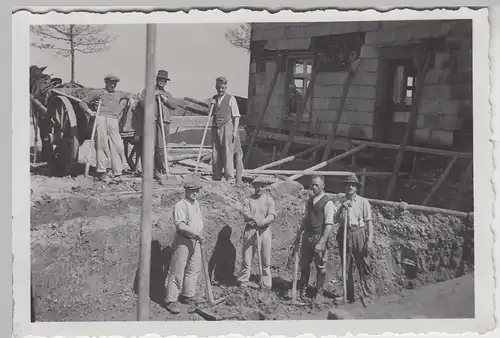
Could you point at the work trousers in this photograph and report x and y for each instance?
(109, 145)
(250, 248)
(356, 252)
(184, 269)
(159, 155)
(223, 150)
(309, 255)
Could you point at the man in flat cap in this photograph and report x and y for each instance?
(108, 141)
(356, 212)
(185, 265)
(168, 105)
(314, 235)
(259, 211)
(225, 136)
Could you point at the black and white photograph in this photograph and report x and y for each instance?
(275, 168)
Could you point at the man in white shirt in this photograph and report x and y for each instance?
(315, 232)
(186, 259)
(225, 136)
(259, 212)
(359, 237)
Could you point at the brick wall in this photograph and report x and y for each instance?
(446, 98)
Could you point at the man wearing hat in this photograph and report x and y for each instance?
(225, 136)
(314, 233)
(185, 265)
(259, 212)
(168, 105)
(108, 141)
(359, 241)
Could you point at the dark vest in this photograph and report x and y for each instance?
(316, 216)
(222, 112)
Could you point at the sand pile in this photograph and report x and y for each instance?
(85, 251)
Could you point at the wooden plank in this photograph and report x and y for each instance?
(264, 110)
(307, 172)
(440, 180)
(410, 127)
(420, 208)
(188, 122)
(330, 161)
(298, 116)
(340, 110)
(463, 182)
(413, 149)
(290, 158)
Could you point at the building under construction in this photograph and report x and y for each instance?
(364, 82)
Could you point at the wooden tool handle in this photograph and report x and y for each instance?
(259, 252)
(87, 165)
(344, 256)
(165, 154)
(295, 272)
(203, 138)
(208, 284)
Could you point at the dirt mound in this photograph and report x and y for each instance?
(84, 261)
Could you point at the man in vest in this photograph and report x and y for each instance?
(315, 233)
(108, 141)
(259, 212)
(225, 137)
(359, 241)
(185, 265)
(167, 105)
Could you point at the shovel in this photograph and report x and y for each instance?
(210, 295)
(160, 109)
(259, 257)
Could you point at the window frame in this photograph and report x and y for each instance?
(401, 111)
(309, 60)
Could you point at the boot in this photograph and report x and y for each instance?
(173, 308)
(158, 176)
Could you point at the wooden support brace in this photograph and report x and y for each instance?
(307, 172)
(410, 127)
(463, 182)
(363, 182)
(430, 151)
(330, 161)
(298, 116)
(292, 157)
(420, 208)
(264, 110)
(440, 180)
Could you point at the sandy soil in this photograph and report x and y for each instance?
(85, 242)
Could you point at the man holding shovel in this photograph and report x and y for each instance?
(186, 262)
(225, 136)
(108, 141)
(164, 102)
(314, 233)
(258, 212)
(359, 237)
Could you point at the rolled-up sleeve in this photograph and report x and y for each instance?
(367, 210)
(271, 207)
(180, 214)
(329, 212)
(233, 104)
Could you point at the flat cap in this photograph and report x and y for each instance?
(221, 79)
(111, 78)
(192, 185)
(260, 180)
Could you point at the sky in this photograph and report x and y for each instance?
(194, 55)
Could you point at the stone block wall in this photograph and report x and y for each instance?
(447, 96)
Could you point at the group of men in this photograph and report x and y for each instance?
(109, 145)
(313, 241)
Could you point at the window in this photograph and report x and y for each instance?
(299, 75)
(403, 90)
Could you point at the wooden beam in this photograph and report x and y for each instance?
(413, 149)
(307, 172)
(298, 116)
(440, 180)
(410, 127)
(330, 161)
(363, 182)
(419, 208)
(340, 110)
(461, 187)
(147, 178)
(291, 158)
(264, 110)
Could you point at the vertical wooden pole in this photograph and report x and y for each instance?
(147, 177)
(410, 127)
(279, 65)
(461, 188)
(363, 183)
